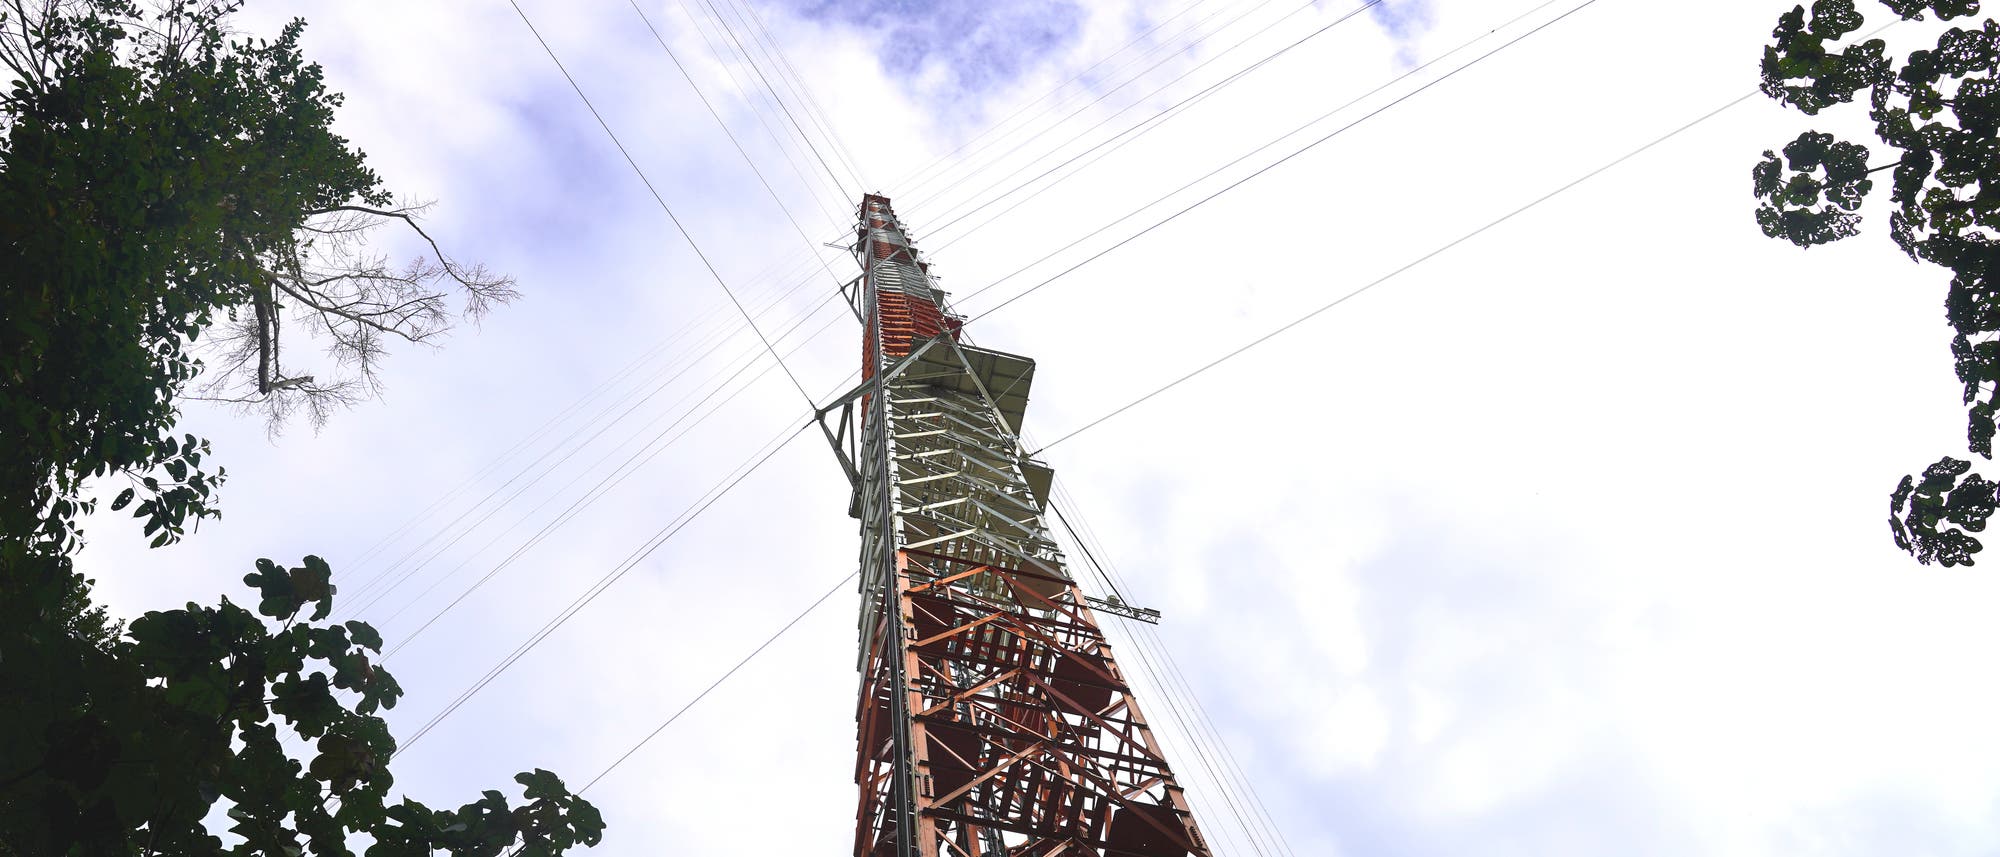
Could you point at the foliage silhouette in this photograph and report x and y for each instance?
(123, 744)
(1939, 111)
(169, 193)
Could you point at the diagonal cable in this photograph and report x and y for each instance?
(811, 247)
(712, 272)
(1239, 182)
(1395, 273)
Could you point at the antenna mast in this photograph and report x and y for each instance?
(993, 719)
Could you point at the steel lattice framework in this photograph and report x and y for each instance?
(993, 719)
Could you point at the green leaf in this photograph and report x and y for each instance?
(156, 188)
(313, 583)
(81, 752)
(365, 635)
(1817, 203)
(1940, 512)
(541, 784)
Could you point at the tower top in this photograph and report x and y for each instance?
(994, 720)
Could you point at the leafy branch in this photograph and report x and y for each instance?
(1939, 110)
(201, 696)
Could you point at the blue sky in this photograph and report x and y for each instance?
(976, 46)
(1403, 21)
(1568, 542)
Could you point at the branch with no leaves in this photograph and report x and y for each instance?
(23, 35)
(350, 299)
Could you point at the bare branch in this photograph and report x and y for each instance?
(477, 281)
(352, 301)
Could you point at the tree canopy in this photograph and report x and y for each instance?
(1937, 112)
(171, 197)
(137, 736)
(169, 194)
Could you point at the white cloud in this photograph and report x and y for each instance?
(1566, 542)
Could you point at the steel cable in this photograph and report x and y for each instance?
(719, 680)
(1173, 665)
(1392, 274)
(1148, 125)
(1241, 181)
(639, 458)
(813, 180)
(1203, 755)
(1189, 103)
(699, 323)
(1082, 537)
(648, 182)
(921, 172)
(1053, 151)
(1209, 90)
(602, 387)
(796, 83)
(812, 248)
(602, 428)
(917, 187)
(659, 538)
(923, 200)
(782, 106)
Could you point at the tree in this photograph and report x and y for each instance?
(1938, 110)
(169, 194)
(123, 744)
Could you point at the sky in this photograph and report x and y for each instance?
(1568, 540)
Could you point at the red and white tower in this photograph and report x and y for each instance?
(993, 721)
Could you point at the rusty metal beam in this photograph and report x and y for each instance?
(993, 720)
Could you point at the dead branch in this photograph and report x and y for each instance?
(350, 300)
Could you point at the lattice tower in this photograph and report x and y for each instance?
(993, 719)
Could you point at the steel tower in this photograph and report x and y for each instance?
(993, 720)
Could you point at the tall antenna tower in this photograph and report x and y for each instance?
(993, 720)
